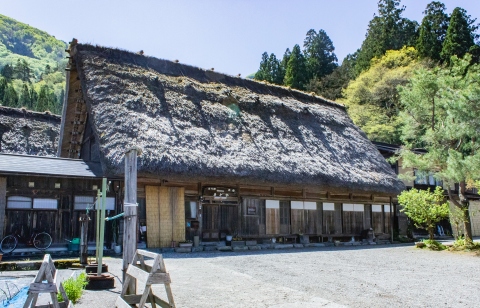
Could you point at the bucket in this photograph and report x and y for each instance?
(117, 249)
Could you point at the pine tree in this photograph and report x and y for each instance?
(10, 98)
(43, 101)
(25, 100)
(7, 72)
(33, 99)
(23, 71)
(460, 35)
(3, 88)
(295, 75)
(284, 62)
(319, 54)
(432, 31)
(270, 69)
(263, 72)
(386, 31)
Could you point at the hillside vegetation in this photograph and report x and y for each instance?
(32, 67)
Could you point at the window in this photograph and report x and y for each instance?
(426, 178)
(191, 209)
(19, 202)
(83, 202)
(109, 206)
(47, 204)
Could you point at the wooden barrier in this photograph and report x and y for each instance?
(48, 273)
(146, 275)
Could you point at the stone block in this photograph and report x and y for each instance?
(266, 246)
(283, 246)
(209, 244)
(197, 249)
(251, 243)
(183, 249)
(315, 245)
(298, 245)
(209, 248)
(254, 247)
(238, 243)
(224, 248)
(240, 248)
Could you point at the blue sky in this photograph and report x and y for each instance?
(229, 36)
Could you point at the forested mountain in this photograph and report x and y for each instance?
(32, 67)
(367, 81)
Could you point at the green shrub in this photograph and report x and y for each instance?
(434, 245)
(459, 245)
(74, 287)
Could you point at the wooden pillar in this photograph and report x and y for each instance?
(130, 210)
(3, 203)
(84, 238)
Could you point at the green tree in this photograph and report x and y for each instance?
(263, 72)
(3, 87)
(386, 31)
(33, 99)
(46, 100)
(372, 98)
(10, 98)
(332, 85)
(7, 72)
(270, 69)
(319, 54)
(441, 112)
(295, 76)
(22, 71)
(432, 31)
(460, 35)
(424, 208)
(25, 99)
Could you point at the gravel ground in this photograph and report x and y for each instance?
(358, 276)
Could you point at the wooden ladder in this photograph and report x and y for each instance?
(148, 276)
(48, 273)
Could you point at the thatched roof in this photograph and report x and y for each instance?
(28, 132)
(199, 125)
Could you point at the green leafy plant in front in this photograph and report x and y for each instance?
(433, 245)
(74, 287)
(461, 245)
(424, 208)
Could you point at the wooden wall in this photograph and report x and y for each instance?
(165, 208)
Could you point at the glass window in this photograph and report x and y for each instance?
(191, 209)
(19, 202)
(109, 206)
(51, 204)
(82, 202)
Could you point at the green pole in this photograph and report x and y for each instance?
(102, 225)
(97, 233)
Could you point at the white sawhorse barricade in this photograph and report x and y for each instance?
(48, 273)
(146, 275)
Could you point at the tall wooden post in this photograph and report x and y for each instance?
(101, 213)
(130, 210)
(84, 239)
